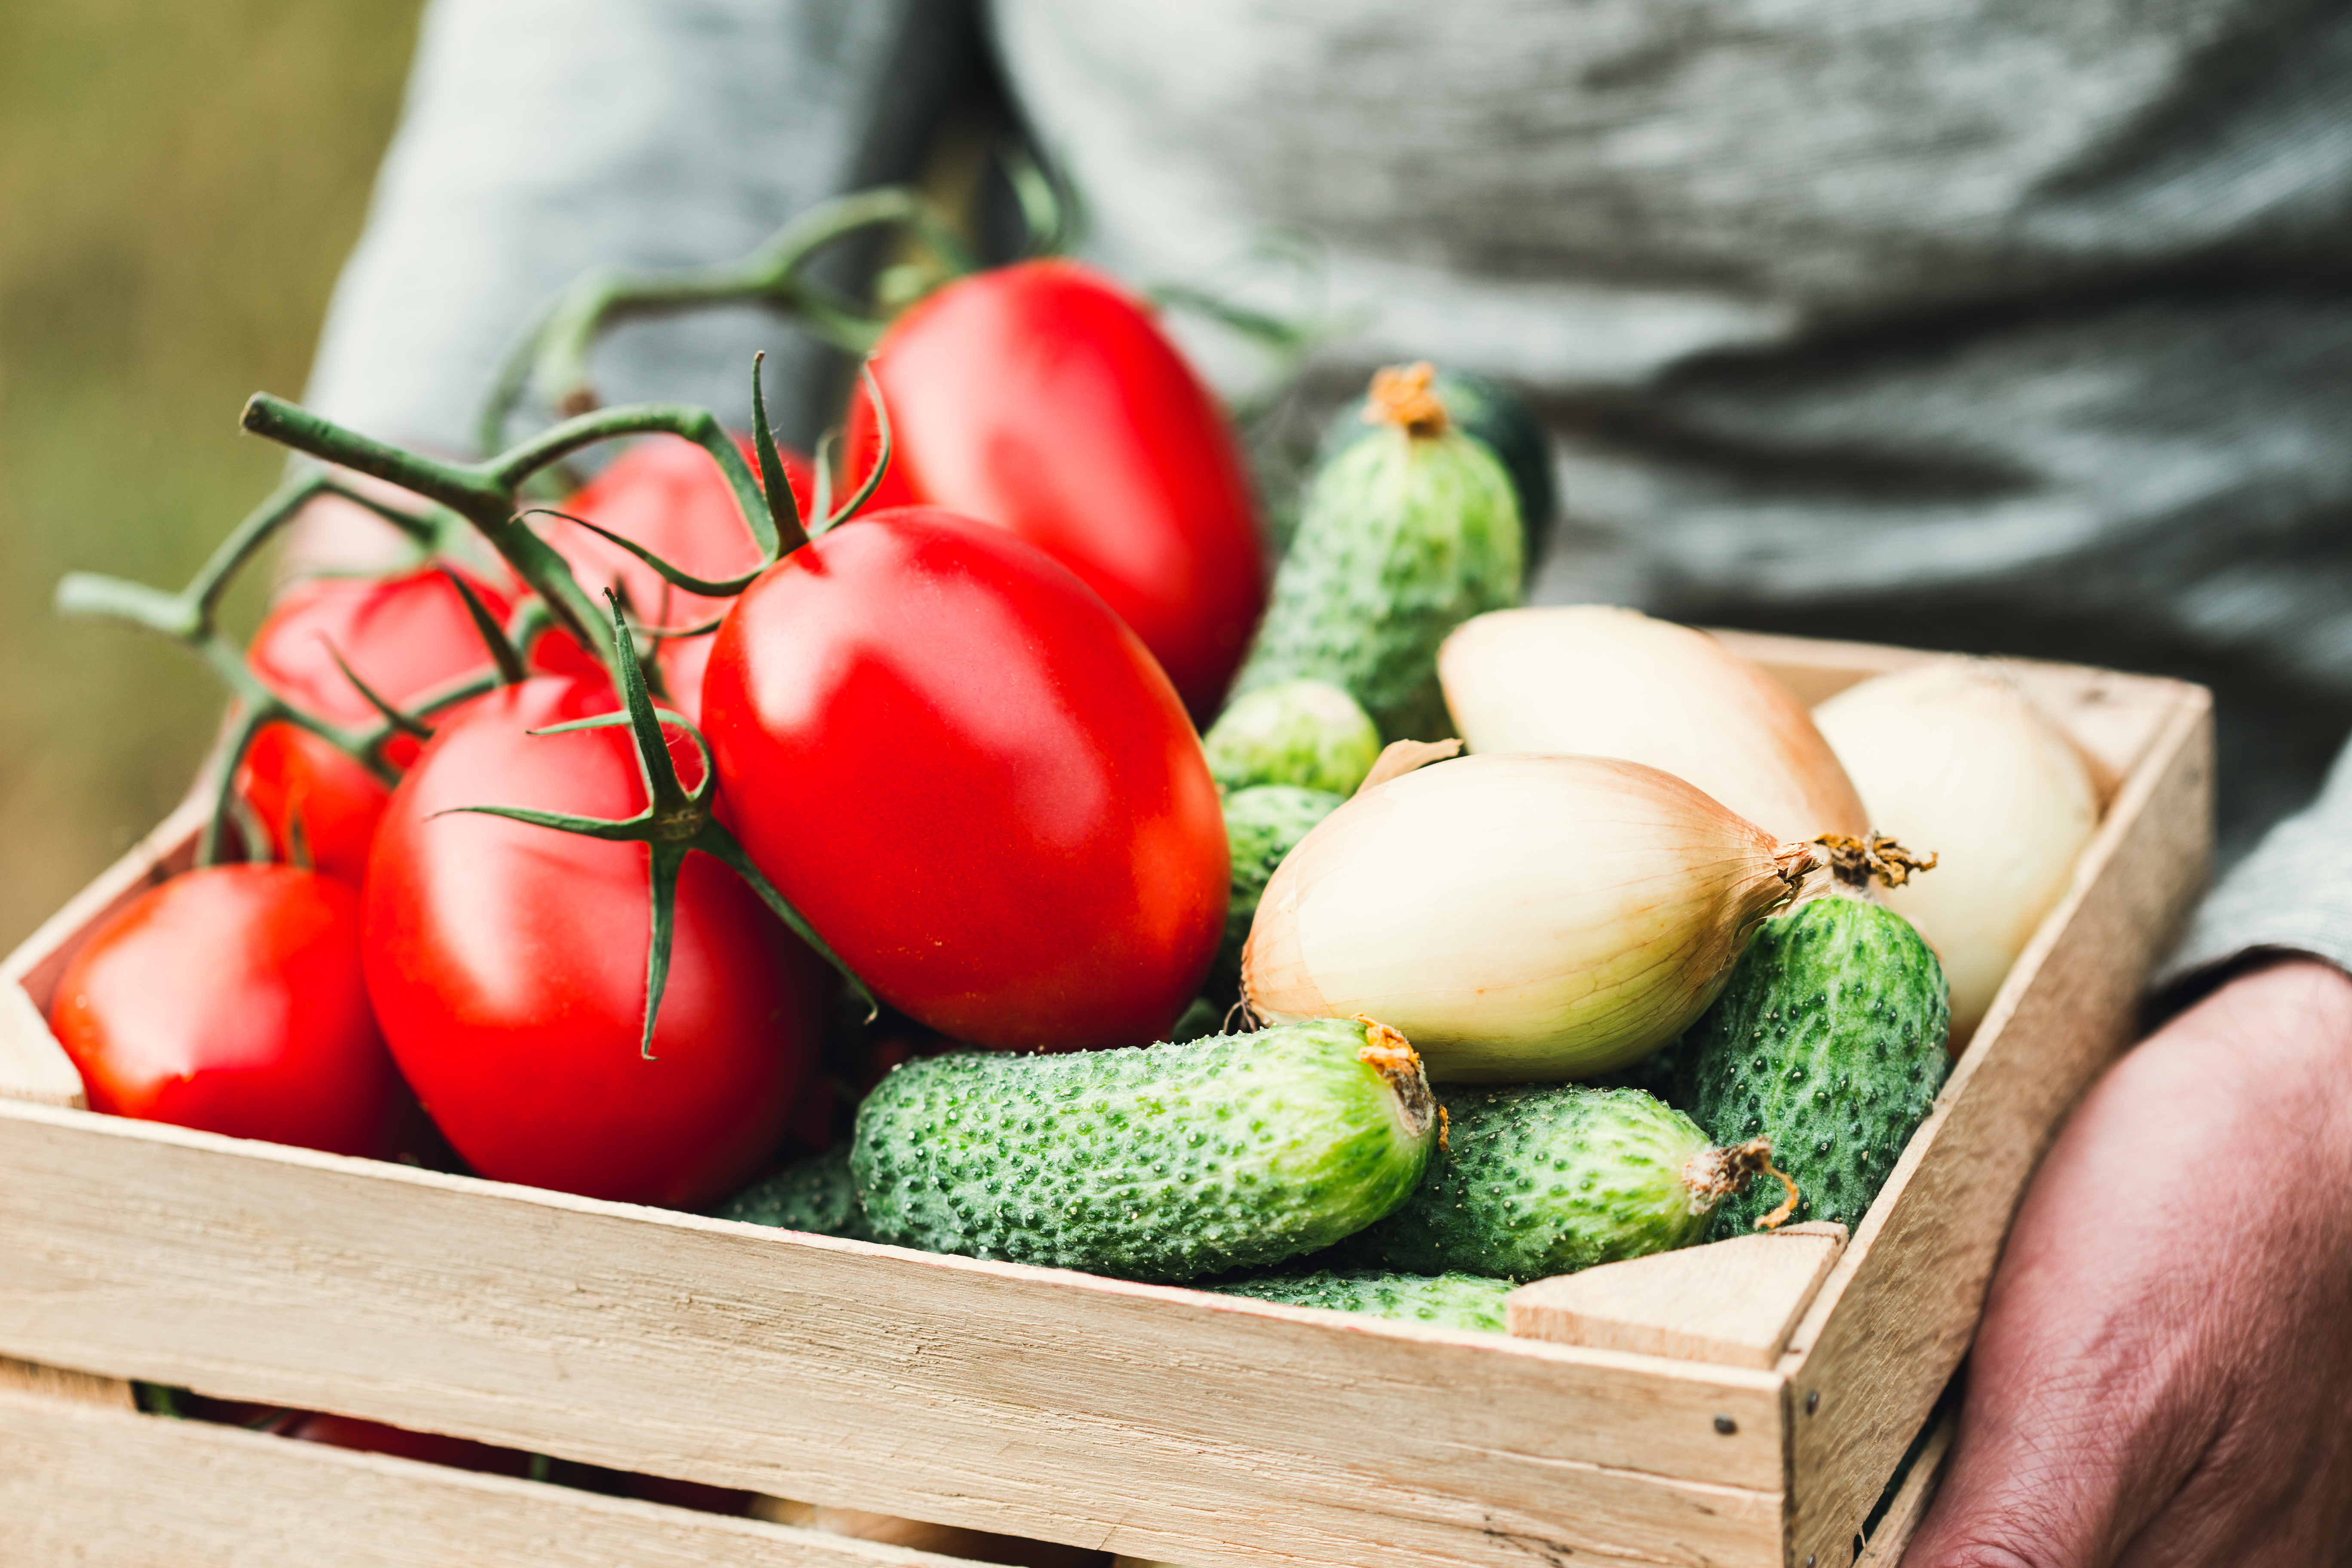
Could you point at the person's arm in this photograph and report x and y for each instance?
(2166, 1355)
(542, 138)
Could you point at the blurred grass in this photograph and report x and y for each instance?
(180, 184)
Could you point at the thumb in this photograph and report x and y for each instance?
(2083, 1412)
(2031, 1482)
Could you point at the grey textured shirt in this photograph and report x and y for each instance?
(1960, 324)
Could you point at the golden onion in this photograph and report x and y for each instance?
(1519, 918)
(1953, 757)
(1601, 681)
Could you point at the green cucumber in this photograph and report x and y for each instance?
(1543, 1179)
(1306, 733)
(1165, 1163)
(1442, 1301)
(1262, 825)
(813, 1194)
(1490, 412)
(1407, 533)
(1828, 1040)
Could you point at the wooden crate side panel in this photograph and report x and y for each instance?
(1899, 1309)
(97, 1489)
(1160, 1423)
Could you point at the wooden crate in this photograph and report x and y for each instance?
(1150, 1421)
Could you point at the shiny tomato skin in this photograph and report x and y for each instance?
(405, 636)
(508, 964)
(1042, 397)
(973, 781)
(665, 492)
(230, 999)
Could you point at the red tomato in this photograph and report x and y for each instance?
(431, 1448)
(699, 1496)
(665, 492)
(973, 780)
(230, 999)
(507, 963)
(1041, 397)
(405, 637)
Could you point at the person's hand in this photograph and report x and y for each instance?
(2164, 1372)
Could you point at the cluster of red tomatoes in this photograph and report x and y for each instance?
(955, 734)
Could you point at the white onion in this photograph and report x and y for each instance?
(1519, 917)
(1608, 682)
(1951, 757)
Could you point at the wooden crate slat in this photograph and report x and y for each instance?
(1004, 1398)
(1901, 1307)
(97, 1489)
(1734, 1302)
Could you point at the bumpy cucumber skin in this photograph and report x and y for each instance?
(1442, 1300)
(1829, 1040)
(1166, 1162)
(1404, 537)
(813, 1194)
(1543, 1179)
(1488, 411)
(1306, 733)
(1262, 825)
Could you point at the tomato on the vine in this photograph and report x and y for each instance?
(666, 494)
(404, 636)
(508, 964)
(230, 999)
(973, 781)
(1041, 397)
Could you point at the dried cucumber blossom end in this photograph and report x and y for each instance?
(1406, 398)
(1387, 1052)
(1855, 861)
(1715, 1173)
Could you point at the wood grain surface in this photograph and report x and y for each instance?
(94, 1487)
(1733, 1302)
(1161, 1421)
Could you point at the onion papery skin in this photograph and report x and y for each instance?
(1530, 918)
(1954, 757)
(1602, 682)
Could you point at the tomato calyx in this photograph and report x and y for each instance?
(772, 474)
(504, 648)
(677, 822)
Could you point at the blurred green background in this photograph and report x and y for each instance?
(180, 184)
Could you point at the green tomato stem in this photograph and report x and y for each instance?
(550, 360)
(484, 493)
